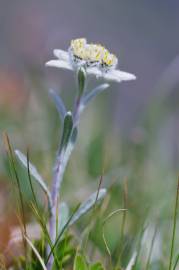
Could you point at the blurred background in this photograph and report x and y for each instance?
(130, 133)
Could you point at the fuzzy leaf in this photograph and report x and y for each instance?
(87, 205)
(74, 136)
(33, 172)
(92, 94)
(70, 146)
(67, 130)
(63, 215)
(58, 103)
(80, 263)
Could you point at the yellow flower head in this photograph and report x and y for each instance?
(92, 54)
(77, 47)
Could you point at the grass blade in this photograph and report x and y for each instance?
(45, 231)
(176, 262)
(33, 171)
(151, 248)
(103, 234)
(61, 233)
(87, 205)
(30, 180)
(80, 263)
(36, 252)
(132, 261)
(174, 227)
(12, 161)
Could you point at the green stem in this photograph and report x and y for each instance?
(176, 262)
(123, 223)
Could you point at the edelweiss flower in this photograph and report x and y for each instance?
(95, 58)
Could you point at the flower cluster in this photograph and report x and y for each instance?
(95, 58)
(91, 54)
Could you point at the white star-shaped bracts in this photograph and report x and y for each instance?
(93, 57)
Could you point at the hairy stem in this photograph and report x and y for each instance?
(59, 169)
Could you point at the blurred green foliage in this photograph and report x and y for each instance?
(138, 168)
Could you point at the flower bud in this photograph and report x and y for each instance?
(81, 80)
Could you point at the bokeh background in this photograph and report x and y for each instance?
(130, 133)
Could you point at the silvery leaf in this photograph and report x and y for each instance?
(33, 172)
(70, 146)
(92, 94)
(74, 135)
(63, 215)
(66, 148)
(58, 103)
(87, 205)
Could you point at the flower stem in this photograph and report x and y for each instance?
(57, 179)
(59, 169)
(76, 114)
(61, 163)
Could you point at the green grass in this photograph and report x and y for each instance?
(139, 178)
(67, 251)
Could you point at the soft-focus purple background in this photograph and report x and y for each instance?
(144, 34)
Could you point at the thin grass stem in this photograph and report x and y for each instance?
(12, 161)
(61, 233)
(176, 262)
(151, 248)
(174, 227)
(30, 181)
